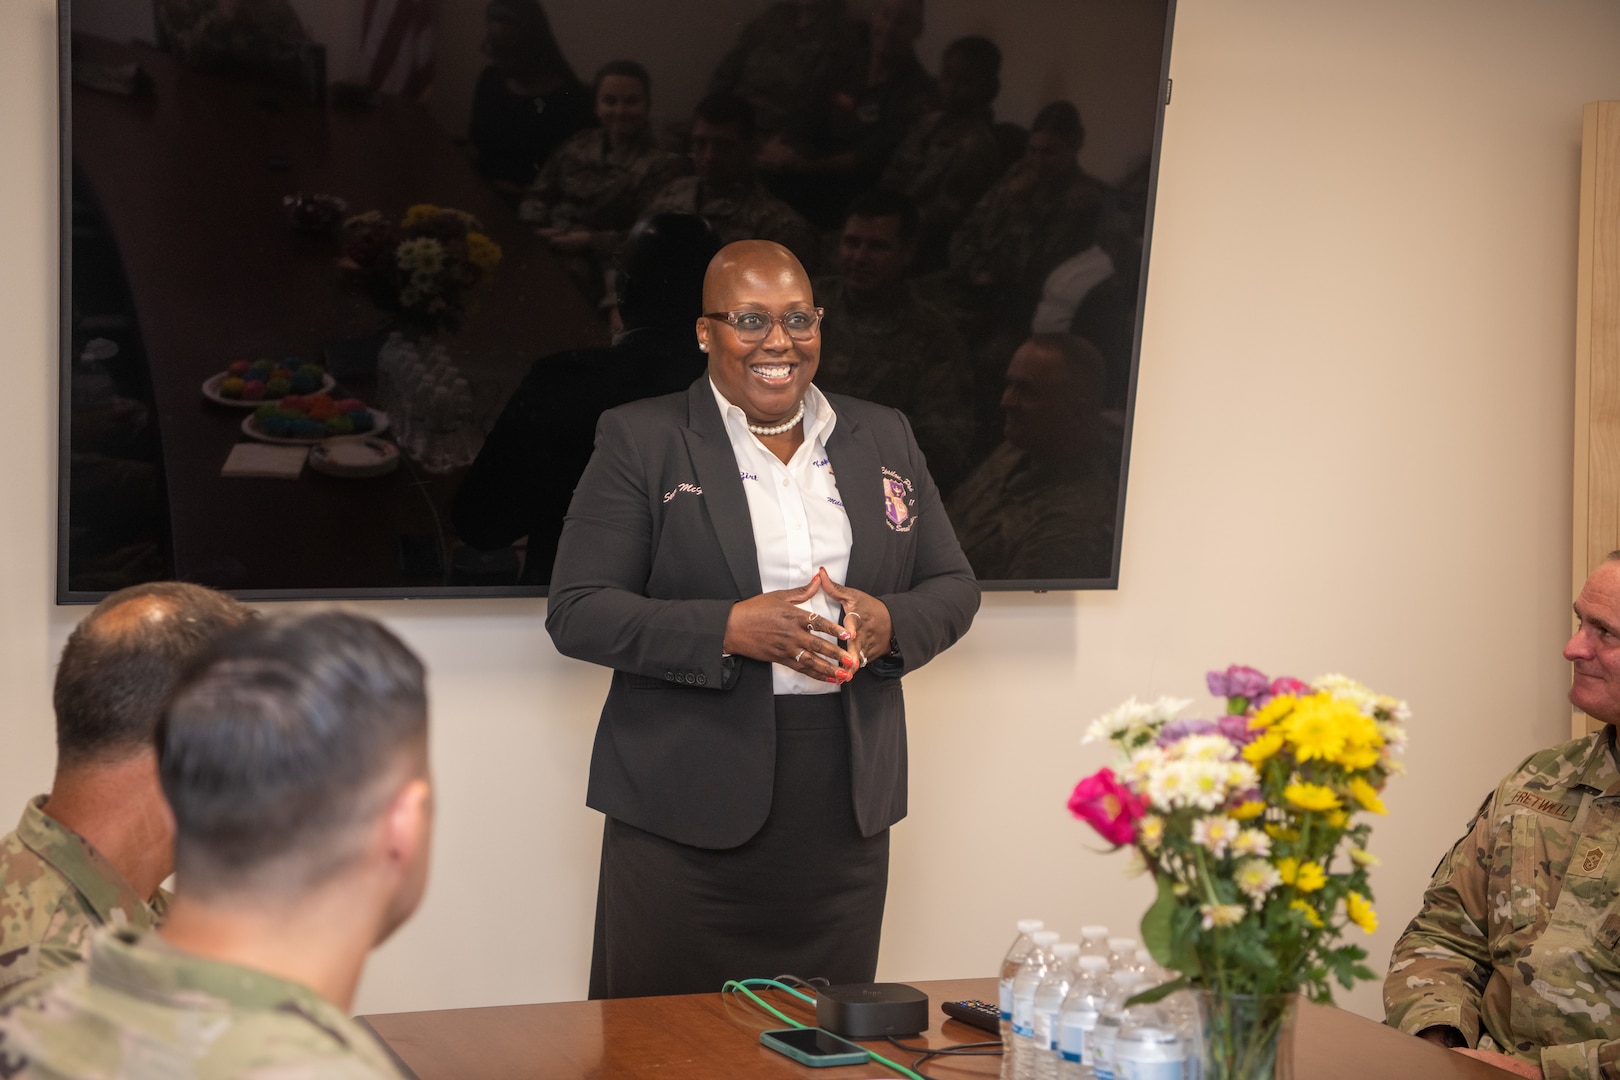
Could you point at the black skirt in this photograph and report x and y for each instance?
(803, 896)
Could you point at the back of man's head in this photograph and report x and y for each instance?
(122, 660)
(281, 747)
(665, 258)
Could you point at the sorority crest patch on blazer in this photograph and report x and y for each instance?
(897, 501)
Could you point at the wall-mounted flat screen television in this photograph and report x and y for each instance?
(331, 268)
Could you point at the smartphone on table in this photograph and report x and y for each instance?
(814, 1047)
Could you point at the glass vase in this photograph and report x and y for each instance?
(1247, 1036)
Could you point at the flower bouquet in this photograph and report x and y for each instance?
(1253, 826)
(422, 269)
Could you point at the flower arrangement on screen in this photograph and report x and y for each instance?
(425, 267)
(1254, 826)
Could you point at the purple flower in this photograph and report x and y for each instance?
(1236, 728)
(1237, 681)
(1176, 730)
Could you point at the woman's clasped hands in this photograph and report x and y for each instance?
(773, 628)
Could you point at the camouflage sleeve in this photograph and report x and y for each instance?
(546, 191)
(1441, 963)
(1594, 1060)
(943, 419)
(969, 176)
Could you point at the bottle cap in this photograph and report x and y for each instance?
(1126, 945)
(1094, 932)
(1066, 950)
(1029, 926)
(1044, 938)
(1094, 963)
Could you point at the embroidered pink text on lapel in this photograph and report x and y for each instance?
(897, 502)
(692, 488)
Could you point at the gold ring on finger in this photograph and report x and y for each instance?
(811, 625)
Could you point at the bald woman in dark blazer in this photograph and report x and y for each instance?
(759, 564)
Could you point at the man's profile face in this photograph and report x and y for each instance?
(871, 255)
(1041, 404)
(720, 154)
(1594, 648)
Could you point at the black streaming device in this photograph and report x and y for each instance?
(872, 1010)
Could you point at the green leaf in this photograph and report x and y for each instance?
(1159, 993)
(1157, 925)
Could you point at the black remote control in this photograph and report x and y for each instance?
(974, 1012)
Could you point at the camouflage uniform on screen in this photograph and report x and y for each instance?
(945, 163)
(787, 70)
(748, 213)
(907, 357)
(1014, 237)
(140, 1008)
(262, 35)
(591, 184)
(1519, 928)
(55, 891)
(1017, 519)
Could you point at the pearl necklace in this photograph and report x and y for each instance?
(777, 429)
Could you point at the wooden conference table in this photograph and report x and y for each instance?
(190, 180)
(712, 1035)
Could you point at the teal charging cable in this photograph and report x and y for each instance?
(742, 986)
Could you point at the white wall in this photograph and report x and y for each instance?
(1352, 452)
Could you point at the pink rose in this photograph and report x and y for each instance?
(1285, 685)
(1108, 806)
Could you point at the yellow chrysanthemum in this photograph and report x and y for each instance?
(1367, 795)
(1363, 742)
(1278, 832)
(1274, 710)
(1310, 877)
(1248, 811)
(1262, 748)
(1360, 912)
(1316, 729)
(1363, 857)
(1309, 912)
(418, 214)
(1337, 819)
(1311, 797)
(483, 252)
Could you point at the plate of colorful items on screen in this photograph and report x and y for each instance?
(250, 383)
(307, 419)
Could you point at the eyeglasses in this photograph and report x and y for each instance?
(752, 327)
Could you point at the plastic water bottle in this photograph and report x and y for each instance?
(1049, 997)
(1035, 967)
(1122, 954)
(1077, 1018)
(1123, 984)
(1094, 941)
(1149, 1047)
(1010, 964)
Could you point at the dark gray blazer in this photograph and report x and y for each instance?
(658, 545)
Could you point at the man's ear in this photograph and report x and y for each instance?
(408, 821)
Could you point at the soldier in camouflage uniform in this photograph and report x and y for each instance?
(593, 188)
(1515, 949)
(1042, 211)
(93, 852)
(880, 342)
(726, 192)
(1043, 506)
(949, 158)
(301, 842)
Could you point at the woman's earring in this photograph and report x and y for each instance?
(703, 347)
